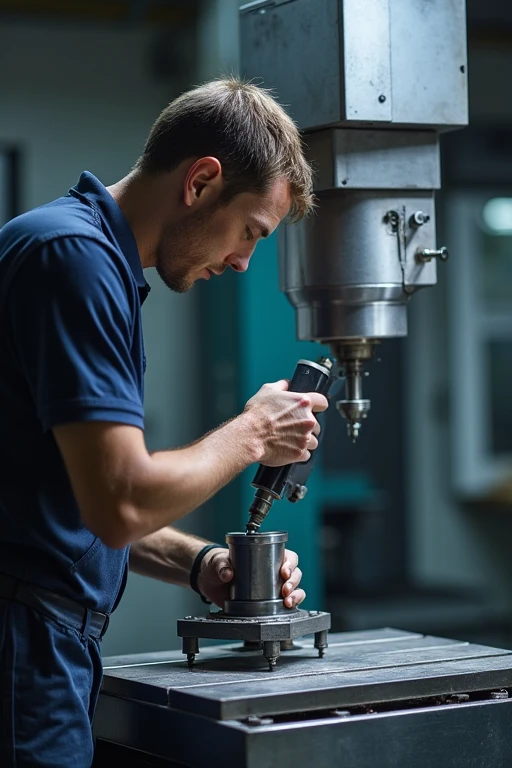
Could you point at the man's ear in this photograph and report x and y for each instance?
(203, 182)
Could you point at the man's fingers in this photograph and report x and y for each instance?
(291, 560)
(316, 429)
(293, 582)
(318, 402)
(222, 565)
(281, 385)
(295, 598)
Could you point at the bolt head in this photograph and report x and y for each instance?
(255, 720)
(502, 694)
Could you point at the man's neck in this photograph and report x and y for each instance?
(147, 203)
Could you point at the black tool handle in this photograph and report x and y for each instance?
(299, 473)
(308, 377)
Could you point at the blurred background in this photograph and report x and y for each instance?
(412, 526)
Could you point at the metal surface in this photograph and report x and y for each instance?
(359, 62)
(257, 560)
(475, 735)
(354, 408)
(375, 82)
(345, 285)
(350, 271)
(367, 78)
(261, 629)
(255, 611)
(365, 159)
(359, 669)
(379, 698)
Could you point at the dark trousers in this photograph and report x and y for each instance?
(50, 677)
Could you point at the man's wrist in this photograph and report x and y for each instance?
(252, 439)
(195, 571)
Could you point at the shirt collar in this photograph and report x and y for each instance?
(114, 224)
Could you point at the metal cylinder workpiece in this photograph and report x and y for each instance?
(256, 589)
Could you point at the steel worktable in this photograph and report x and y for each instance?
(379, 698)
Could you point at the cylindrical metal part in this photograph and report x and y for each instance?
(256, 589)
(321, 642)
(191, 648)
(353, 380)
(259, 509)
(271, 651)
(349, 272)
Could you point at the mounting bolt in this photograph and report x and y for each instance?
(255, 720)
(321, 642)
(393, 219)
(418, 218)
(457, 698)
(190, 648)
(423, 255)
(501, 694)
(271, 651)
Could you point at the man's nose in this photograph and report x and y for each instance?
(238, 263)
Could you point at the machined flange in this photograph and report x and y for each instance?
(267, 631)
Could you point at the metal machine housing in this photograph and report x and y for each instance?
(371, 84)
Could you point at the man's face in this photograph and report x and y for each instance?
(210, 239)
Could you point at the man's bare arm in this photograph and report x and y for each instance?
(125, 493)
(166, 555)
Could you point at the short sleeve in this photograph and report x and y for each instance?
(71, 310)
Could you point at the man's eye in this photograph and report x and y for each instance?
(248, 234)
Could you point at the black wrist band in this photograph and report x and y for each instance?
(196, 567)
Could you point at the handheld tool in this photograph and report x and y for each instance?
(273, 483)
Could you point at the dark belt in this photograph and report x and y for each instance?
(61, 609)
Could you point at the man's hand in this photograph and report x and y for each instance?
(285, 422)
(217, 571)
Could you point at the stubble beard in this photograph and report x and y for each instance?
(180, 253)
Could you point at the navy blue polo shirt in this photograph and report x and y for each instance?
(71, 349)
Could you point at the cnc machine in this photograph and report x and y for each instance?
(372, 84)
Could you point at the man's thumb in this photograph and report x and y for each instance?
(224, 569)
(282, 385)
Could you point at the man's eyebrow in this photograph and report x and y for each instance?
(264, 232)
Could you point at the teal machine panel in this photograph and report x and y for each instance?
(249, 338)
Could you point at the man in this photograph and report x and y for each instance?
(222, 166)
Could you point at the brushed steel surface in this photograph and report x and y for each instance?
(358, 669)
(257, 559)
(476, 735)
(346, 158)
(361, 62)
(348, 273)
(218, 625)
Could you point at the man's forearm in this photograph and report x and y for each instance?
(166, 555)
(125, 493)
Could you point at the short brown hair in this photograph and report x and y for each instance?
(243, 126)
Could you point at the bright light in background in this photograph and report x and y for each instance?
(497, 215)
